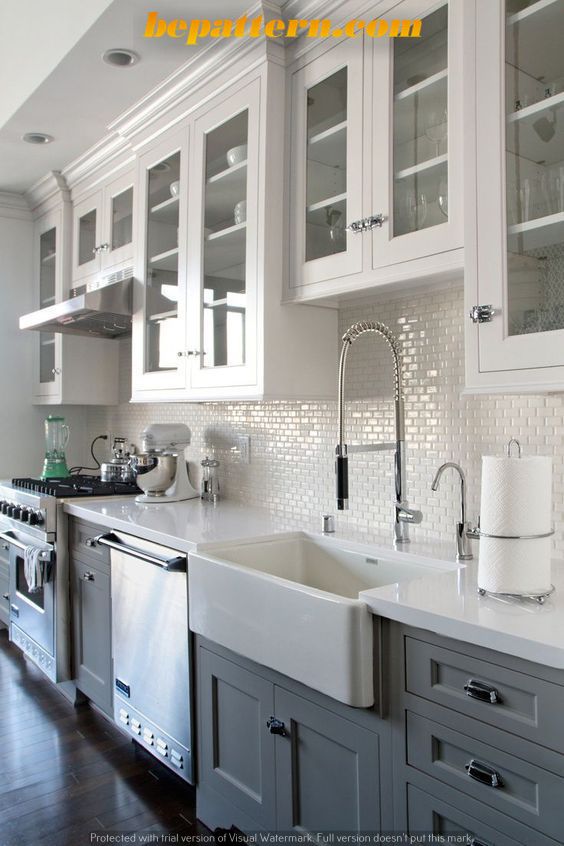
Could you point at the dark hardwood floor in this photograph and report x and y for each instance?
(67, 774)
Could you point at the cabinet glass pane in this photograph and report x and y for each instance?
(122, 219)
(86, 237)
(535, 166)
(47, 267)
(326, 173)
(420, 126)
(46, 357)
(162, 338)
(225, 244)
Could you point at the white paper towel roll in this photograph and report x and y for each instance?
(516, 495)
(515, 566)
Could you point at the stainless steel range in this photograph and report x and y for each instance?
(33, 531)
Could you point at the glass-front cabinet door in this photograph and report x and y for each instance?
(520, 264)
(416, 151)
(159, 360)
(117, 244)
(326, 165)
(48, 269)
(87, 236)
(223, 263)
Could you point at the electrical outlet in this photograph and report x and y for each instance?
(241, 451)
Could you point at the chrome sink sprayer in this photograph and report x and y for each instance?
(403, 515)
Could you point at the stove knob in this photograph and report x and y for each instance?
(17, 512)
(33, 521)
(25, 515)
(4, 507)
(10, 510)
(39, 516)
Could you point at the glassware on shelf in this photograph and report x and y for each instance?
(442, 196)
(416, 207)
(436, 127)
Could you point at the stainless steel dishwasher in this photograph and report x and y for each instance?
(150, 647)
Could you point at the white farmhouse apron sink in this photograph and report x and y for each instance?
(291, 602)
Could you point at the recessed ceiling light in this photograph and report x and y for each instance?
(37, 138)
(120, 58)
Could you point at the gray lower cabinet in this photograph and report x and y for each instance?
(91, 631)
(478, 742)
(313, 769)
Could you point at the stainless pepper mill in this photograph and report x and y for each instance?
(210, 480)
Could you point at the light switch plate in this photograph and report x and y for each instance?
(241, 451)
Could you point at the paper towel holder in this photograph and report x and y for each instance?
(513, 442)
(537, 597)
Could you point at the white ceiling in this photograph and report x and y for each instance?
(57, 83)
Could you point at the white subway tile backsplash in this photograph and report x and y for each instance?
(292, 443)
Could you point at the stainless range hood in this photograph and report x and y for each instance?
(102, 313)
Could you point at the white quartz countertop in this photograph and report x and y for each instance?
(446, 603)
(180, 525)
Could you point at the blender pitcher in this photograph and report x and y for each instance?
(56, 439)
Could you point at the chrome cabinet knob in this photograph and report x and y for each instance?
(56, 371)
(103, 248)
(88, 577)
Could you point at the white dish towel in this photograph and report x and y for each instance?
(33, 569)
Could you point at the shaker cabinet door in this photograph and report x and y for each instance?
(327, 770)
(91, 624)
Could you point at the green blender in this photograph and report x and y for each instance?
(56, 439)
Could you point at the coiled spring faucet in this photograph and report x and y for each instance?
(403, 515)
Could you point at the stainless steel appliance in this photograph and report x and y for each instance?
(119, 468)
(103, 313)
(160, 470)
(150, 647)
(31, 515)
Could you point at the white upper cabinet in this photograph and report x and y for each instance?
(59, 372)
(516, 214)
(376, 158)
(208, 321)
(160, 293)
(103, 229)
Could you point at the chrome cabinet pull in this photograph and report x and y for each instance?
(482, 313)
(6, 596)
(484, 774)
(90, 542)
(375, 221)
(483, 692)
(188, 353)
(88, 577)
(276, 726)
(177, 564)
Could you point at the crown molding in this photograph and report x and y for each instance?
(111, 149)
(52, 186)
(14, 206)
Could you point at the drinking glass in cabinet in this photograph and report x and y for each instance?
(534, 165)
(86, 237)
(122, 219)
(162, 339)
(420, 126)
(326, 175)
(225, 244)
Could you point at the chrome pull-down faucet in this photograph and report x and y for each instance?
(403, 515)
(463, 548)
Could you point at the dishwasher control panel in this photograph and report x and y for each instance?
(171, 753)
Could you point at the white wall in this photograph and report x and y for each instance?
(21, 424)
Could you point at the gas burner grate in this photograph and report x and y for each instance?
(76, 486)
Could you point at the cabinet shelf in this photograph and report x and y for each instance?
(163, 315)
(535, 35)
(46, 301)
(538, 233)
(49, 259)
(323, 204)
(223, 192)
(522, 138)
(166, 212)
(165, 261)
(329, 147)
(224, 251)
(437, 161)
(406, 93)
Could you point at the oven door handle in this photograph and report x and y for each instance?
(45, 554)
(177, 564)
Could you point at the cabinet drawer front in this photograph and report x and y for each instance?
(434, 816)
(515, 702)
(525, 792)
(80, 536)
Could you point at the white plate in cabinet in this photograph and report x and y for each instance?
(376, 158)
(515, 198)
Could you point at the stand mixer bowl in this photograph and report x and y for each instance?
(154, 473)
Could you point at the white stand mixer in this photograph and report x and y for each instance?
(160, 470)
